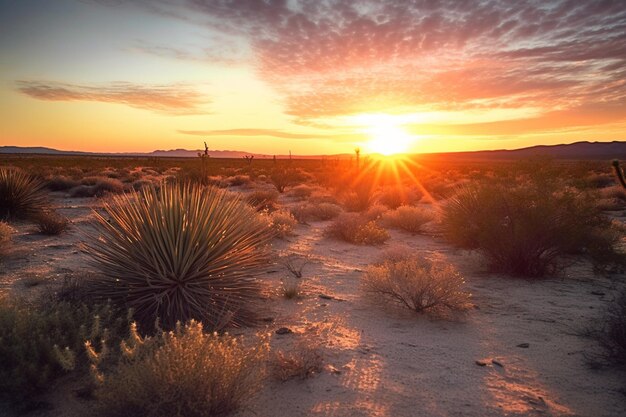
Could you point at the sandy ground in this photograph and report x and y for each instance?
(380, 361)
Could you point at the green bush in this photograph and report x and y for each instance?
(182, 252)
(525, 229)
(182, 373)
(21, 195)
(40, 342)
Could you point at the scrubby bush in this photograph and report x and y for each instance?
(282, 222)
(408, 218)
(301, 362)
(5, 238)
(61, 183)
(21, 195)
(394, 197)
(81, 191)
(40, 342)
(375, 212)
(301, 191)
(51, 223)
(263, 199)
(238, 180)
(417, 284)
(525, 229)
(108, 186)
(182, 252)
(612, 335)
(354, 228)
(322, 211)
(185, 372)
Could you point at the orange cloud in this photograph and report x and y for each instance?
(173, 99)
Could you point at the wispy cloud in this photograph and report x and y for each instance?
(173, 99)
(340, 57)
(269, 133)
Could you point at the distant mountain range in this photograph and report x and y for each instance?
(577, 150)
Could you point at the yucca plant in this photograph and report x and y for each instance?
(182, 252)
(21, 195)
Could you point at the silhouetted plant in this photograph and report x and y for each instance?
(525, 229)
(21, 195)
(619, 173)
(183, 252)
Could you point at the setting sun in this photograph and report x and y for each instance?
(387, 137)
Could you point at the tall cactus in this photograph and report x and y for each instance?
(619, 172)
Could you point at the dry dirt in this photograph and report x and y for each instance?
(379, 361)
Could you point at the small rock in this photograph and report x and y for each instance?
(323, 305)
(326, 297)
(284, 330)
(497, 362)
(267, 319)
(524, 345)
(481, 363)
(597, 293)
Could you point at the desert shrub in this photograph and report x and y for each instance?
(301, 362)
(354, 228)
(61, 183)
(301, 191)
(408, 218)
(599, 180)
(5, 238)
(238, 180)
(282, 222)
(82, 191)
(108, 186)
(395, 197)
(617, 192)
(263, 199)
(375, 212)
(417, 284)
(525, 229)
(281, 178)
(21, 195)
(322, 211)
(612, 335)
(182, 373)
(182, 252)
(295, 264)
(40, 342)
(51, 223)
(359, 200)
(290, 288)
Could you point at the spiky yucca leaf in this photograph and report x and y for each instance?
(21, 195)
(182, 252)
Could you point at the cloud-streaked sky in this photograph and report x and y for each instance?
(310, 76)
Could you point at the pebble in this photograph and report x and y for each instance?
(523, 345)
(284, 330)
(497, 362)
(481, 363)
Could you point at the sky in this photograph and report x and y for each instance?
(311, 76)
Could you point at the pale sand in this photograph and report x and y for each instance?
(387, 362)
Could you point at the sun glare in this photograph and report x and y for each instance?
(387, 136)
